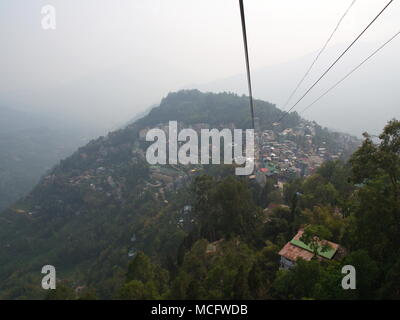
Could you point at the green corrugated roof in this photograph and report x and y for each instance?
(327, 254)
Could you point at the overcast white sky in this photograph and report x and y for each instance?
(158, 46)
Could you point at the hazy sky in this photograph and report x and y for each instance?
(139, 50)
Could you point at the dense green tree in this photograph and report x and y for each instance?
(391, 283)
(224, 208)
(62, 292)
(144, 280)
(241, 286)
(297, 283)
(377, 203)
(137, 290)
(315, 237)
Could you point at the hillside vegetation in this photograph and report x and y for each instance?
(116, 227)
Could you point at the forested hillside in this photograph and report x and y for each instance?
(232, 251)
(116, 227)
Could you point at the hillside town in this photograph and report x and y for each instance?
(279, 154)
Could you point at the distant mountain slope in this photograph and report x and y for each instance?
(364, 102)
(12, 120)
(30, 144)
(94, 210)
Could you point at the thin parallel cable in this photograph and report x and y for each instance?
(246, 51)
(318, 55)
(336, 61)
(351, 72)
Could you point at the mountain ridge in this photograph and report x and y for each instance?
(82, 214)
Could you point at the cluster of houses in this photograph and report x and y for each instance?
(290, 153)
(283, 155)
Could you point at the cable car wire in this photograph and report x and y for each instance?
(351, 72)
(336, 61)
(318, 55)
(246, 51)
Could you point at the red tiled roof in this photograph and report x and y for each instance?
(292, 252)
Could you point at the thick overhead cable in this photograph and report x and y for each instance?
(347, 75)
(336, 61)
(246, 51)
(318, 55)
